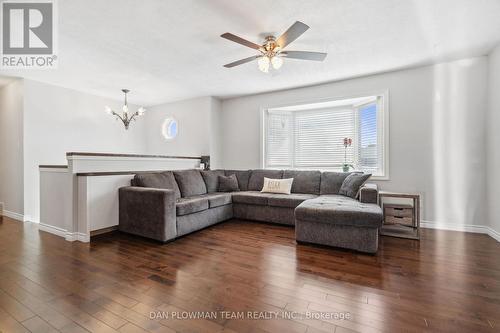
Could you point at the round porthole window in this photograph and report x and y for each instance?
(169, 128)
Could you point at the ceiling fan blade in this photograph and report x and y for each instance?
(294, 32)
(304, 55)
(241, 41)
(241, 61)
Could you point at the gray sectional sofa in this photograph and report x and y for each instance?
(170, 204)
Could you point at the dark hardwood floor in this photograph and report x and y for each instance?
(447, 282)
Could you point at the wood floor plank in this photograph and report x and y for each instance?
(80, 317)
(38, 325)
(9, 324)
(447, 282)
(73, 328)
(38, 307)
(14, 308)
(131, 328)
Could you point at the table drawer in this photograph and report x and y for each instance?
(399, 212)
(398, 220)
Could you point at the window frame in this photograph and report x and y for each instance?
(382, 118)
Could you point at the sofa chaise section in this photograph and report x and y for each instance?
(339, 221)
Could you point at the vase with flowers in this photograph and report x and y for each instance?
(346, 166)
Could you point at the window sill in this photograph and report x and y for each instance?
(377, 178)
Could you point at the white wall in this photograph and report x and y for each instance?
(197, 128)
(11, 147)
(494, 140)
(215, 134)
(437, 133)
(58, 120)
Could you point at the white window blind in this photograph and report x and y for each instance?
(313, 138)
(279, 140)
(319, 138)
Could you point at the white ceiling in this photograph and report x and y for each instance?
(166, 50)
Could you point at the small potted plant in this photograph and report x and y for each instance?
(346, 167)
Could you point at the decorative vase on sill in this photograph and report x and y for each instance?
(346, 167)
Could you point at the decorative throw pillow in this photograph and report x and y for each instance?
(228, 183)
(283, 186)
(351, 185)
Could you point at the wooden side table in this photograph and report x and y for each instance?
(407, 228)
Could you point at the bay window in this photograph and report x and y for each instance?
(311, 136)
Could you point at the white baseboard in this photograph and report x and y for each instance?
(28, 218)
(51, 229)
(77, 236)
(494, 234)
(69, 236)
(478, 229)
(16, 216)
(13, 215)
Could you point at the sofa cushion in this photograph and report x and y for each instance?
(271, 199)
(190, 183)
(288, 200)
(256, 180)
(192, 205)
(242, 176)
(228, 184)
(218, 199)
(351, 185)
(304, 181)
(251, 197)
(331, 182)
(339, 210)
(211, 178)
(163, 180)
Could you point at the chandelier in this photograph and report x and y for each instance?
(126, 117)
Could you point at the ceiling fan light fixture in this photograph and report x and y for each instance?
(272, 48)
(263, 63)
(277, 62)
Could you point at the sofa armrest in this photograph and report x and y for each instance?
(148, 212)
(369, 193)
